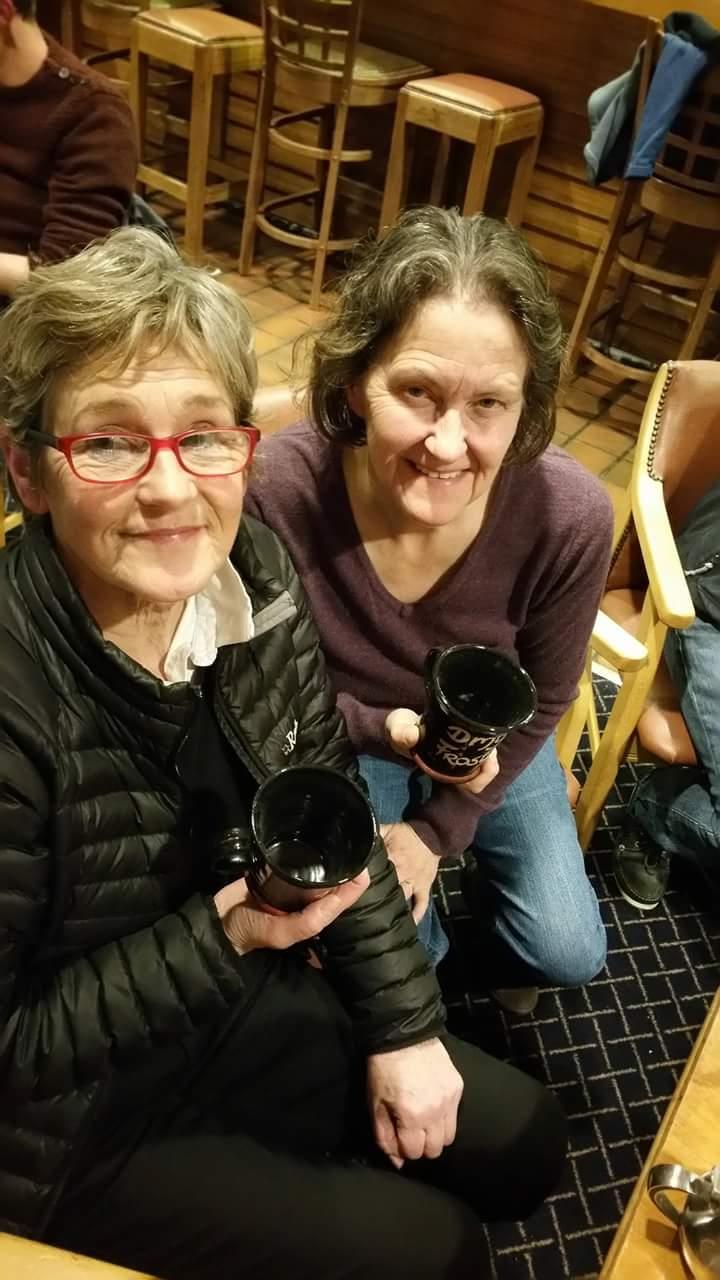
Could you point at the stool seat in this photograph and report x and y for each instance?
(212, 47)
(202, 26)
(478, 92)
(464, 108)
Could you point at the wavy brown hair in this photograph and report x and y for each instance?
(436, 253)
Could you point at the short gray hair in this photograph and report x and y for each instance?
(125, 295)
(433, 253)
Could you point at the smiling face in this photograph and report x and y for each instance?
(160, 538)
(441, 405)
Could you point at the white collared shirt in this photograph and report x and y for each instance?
(221, 614)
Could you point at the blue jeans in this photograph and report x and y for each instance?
(679, 805)
(544, 922)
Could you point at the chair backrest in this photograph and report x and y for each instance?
(318, 36)
(691, 154)
(679, 444)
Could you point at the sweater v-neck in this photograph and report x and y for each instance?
(455, 579)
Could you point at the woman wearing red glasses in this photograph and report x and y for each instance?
(181, 1092)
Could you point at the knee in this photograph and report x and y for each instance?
(572, 955)
(544, 1154)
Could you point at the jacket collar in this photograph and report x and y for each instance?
(112, 678)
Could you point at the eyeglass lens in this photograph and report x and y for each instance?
(116, 457)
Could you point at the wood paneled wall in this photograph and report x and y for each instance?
(559, 49)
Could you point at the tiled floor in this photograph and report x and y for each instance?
(598, 423)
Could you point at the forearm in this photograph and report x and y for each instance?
(120, 1002)
(14, 271)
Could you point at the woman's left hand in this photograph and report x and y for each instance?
(416, 865)
(414, 1095)
(402, 730)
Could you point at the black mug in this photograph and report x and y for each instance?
(474, 697)
(311, 829)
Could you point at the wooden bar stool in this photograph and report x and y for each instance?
(684, 190)
(312, 50)
(485, 113)
(212, 47)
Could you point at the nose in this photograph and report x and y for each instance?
(166, 482)
(446, 441)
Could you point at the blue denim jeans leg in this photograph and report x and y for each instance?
(544, 923)
(397, 791)
(679, 805)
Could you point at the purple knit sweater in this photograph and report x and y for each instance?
(529, 585)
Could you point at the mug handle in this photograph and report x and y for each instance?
(669, 1177)
(236, 863)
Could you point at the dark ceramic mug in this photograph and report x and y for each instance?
(474, 697)
(311, 829)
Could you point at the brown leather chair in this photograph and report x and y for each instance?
(677, 459)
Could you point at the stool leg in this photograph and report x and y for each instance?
(704, 303)
(523, 178)
(333, 173)
(326, 125)
(600, 272)
(200, 122)
(258, 162)
(481, 168)
(398, 166)
(138, 95)
(440, 168)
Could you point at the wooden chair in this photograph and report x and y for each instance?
(22, 1259)
(211, 47)
(487, 114)
(677, 459)
(685, 191)
(312, 50)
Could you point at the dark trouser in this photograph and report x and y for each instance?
(250, 1175)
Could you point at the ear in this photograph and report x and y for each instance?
(19, 465)
(355, 396)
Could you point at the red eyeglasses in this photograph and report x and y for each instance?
(110, 457)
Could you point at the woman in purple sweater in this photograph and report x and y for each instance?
(423, 504)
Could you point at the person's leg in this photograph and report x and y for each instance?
(511, 1140)
(679, 806)
(543, 915)
(190, 1203)
(396, 791)
(221, 1207)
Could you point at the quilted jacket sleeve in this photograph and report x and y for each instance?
(380, 969)
(63, 1026)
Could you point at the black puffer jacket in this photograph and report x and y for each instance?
(107, 950)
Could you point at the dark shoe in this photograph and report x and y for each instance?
(642, 870)
(521, 1000)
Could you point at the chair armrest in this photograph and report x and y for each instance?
(613, 643)
(662, 563)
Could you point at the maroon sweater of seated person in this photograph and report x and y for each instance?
(67, 159)
(529, 585)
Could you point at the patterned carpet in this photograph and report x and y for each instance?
(612, 1051)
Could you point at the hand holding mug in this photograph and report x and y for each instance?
(474, 697)
(404, 728)
(311, 830)
(249, 928)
